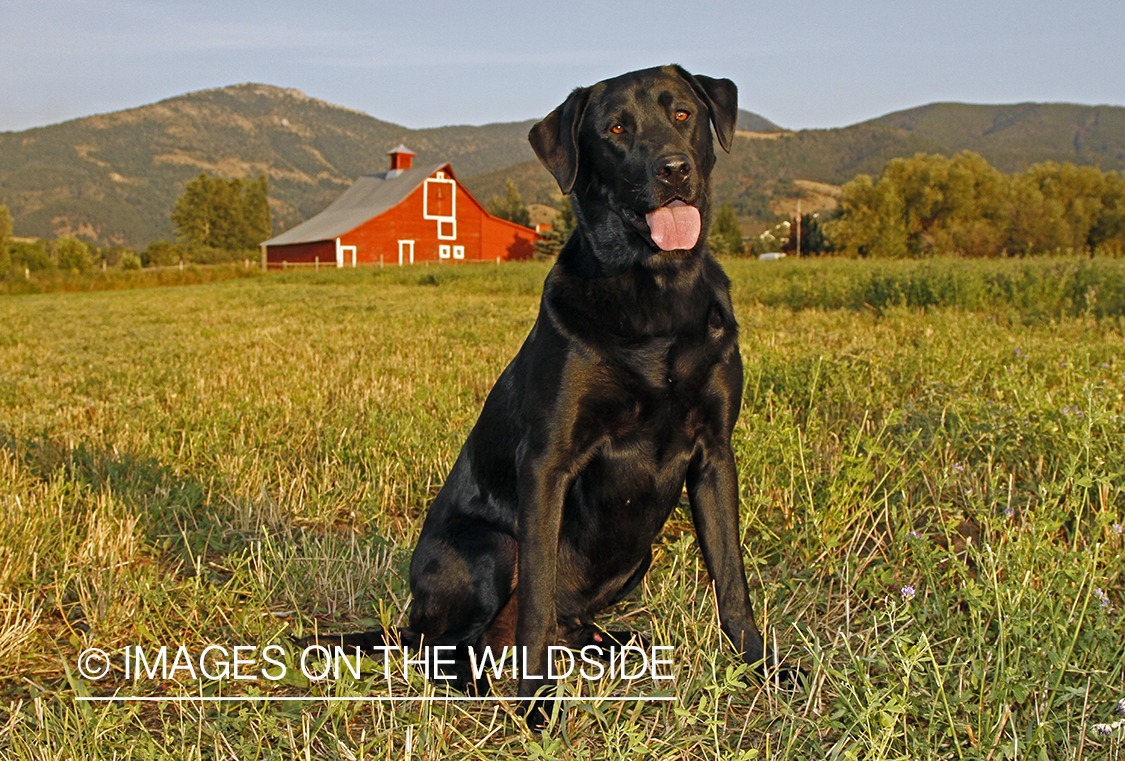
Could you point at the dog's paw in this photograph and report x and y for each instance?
(593, 636)
(787, 678)
(538, 713)
(535, 714)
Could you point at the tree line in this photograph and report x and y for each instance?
(227, 215)
(932, 204)
(916, 207)
(66, 253)
(216, 220)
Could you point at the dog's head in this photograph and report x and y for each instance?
(635, 153)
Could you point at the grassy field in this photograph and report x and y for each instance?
(55, 281)
(931, 468)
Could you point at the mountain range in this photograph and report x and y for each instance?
(114, 178)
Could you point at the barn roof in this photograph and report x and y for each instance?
(369, 196)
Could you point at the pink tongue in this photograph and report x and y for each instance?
(674, 227)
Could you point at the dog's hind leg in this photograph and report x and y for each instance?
(462, 584)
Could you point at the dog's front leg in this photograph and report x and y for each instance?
(712, 485)
(542, 492)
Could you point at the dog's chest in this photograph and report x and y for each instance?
(647, 368)
(656, 389)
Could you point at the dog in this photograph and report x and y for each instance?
(625, 392)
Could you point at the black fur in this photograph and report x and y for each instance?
(626, 390)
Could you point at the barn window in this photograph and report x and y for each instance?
(439, 203)
(458, 252)
(443, 252)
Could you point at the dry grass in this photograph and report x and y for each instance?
(239, 462)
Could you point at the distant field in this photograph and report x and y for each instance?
(931, 471)
(113, 279)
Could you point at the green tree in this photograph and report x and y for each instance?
(511, 207)
(226, 215)
(5, 235)
(924, 205)
(73, 254)
(30, 255)
(725, 237)
(193, 215)
(872, 220)
(1063, 206)
(256, 212)
(550, 243)
(949, 205)
(163, 253)
(931, 204)
(1034, 222)
(814, 241)
(223, 214)
(1108, 231)
(129, 260)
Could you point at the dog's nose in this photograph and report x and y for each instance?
(673, 169)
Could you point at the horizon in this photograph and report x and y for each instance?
(822, 66)
(345, 106)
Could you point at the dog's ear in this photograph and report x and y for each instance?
(721, 97)
(555, 139)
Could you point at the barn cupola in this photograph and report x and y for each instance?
(402, 158)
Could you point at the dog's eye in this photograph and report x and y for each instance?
(681, 115)
(617, 129)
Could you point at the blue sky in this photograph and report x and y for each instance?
(804, 64)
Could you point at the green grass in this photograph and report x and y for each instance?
(54, 281)
(241, 461)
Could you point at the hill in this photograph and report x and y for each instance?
(114, 178)
(1010, 137)
(1016, 136)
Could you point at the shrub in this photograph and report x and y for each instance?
(164, 253)
(73, 254)
(30, 255)
(129, 260)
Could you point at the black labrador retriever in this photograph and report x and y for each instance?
(626, 389)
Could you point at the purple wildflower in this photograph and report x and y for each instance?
(958, 467)
(1117, 528)
(1104, 730)
(1008, 511)
(1103, 598)
(1119, 709)
(908, 592)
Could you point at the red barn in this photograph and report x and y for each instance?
(401, 216)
